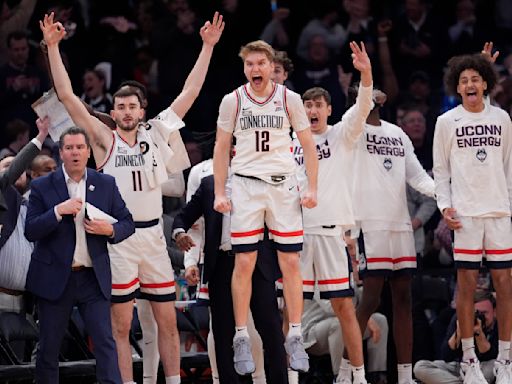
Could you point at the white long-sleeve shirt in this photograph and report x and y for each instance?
(384, 163)
(334, 148)
(195, 255)
(472, 168)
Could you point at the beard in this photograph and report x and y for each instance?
(127, 126)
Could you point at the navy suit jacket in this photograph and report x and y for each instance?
(50, 267)
(201, 204)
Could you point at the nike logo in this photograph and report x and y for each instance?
(458, 119)
(291, 188)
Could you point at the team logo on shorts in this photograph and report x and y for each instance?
(388, 164)
(481, 154)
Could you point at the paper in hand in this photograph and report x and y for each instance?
(50, 105)
(97, 214)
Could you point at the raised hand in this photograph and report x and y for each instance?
(360, 58)
(43, 125)
(487, 52)
(211, 32)
(53, 32)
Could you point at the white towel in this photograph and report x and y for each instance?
(165, 147)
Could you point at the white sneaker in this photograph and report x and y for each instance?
(471, 373)
(503, 371)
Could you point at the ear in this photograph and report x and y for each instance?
(329, 110)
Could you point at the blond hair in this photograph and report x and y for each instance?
(257, 46)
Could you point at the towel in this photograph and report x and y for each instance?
(165, 147)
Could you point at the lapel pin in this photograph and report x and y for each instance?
(91, 188)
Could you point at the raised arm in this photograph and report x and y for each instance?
(100, 134)
(354, 119)
(210, 34)
(24, 158)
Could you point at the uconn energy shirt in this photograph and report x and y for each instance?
(472, 168)
(262, 130)
(384, 162)
(334, 149)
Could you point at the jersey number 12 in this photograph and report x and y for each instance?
(262, 139)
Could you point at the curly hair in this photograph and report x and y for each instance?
(281, 57)
(476, 62)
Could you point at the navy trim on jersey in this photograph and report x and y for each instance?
(349, 292)
(125, 298)
(158, 298)
(242, 248)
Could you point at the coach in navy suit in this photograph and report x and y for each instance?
(218, 269)
(70, 264)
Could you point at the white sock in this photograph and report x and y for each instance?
(241, 332)
(359, 375)
(404, 373)
(173, 379)
(293, 376)
(503, 350)
(345, 371)
(468, 349)
(295, 329)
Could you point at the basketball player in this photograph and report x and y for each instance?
(384, 161)
(472, 171)
(264, 190)
(324, 260)
(130, 154)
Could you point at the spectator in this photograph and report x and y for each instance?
(320, 70)
(414, 124)
(20, 83)
(466, 35)
(325, 25)
(276, 32)
(13, 19)
(418, 37)
(323, 335)
(283, 68)
(95, 91)
(17, 135)
(447, 370)
(15, 250)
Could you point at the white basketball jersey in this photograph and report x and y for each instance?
(262, 131)
(126, 164)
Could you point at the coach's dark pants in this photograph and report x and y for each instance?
(83, 291)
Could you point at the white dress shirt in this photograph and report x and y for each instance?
(81, 256)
